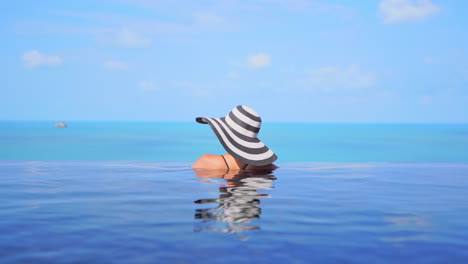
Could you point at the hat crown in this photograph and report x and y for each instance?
(244, 120)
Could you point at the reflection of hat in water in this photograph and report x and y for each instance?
(238, 134)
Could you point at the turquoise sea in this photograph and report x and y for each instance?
(124, 192)
(186, 141)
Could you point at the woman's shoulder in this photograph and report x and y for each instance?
(209, 161)
(226, 161)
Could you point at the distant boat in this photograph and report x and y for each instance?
(61, 124)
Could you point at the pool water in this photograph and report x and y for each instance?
(165, 212)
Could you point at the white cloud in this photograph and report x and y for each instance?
(147, 86)
(426, 99)
(34, 58)
(189, 88)
(115, 65)
(313, 7)
(209, 20)
(399, 11)
(259, 60)
(201, 93)
(233, 75)
(130, 39)
(464, 73)
(428, 60)
(335, 78)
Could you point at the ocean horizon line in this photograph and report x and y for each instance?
(264, 121)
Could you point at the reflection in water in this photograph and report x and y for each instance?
(408, 226)
(238, 203)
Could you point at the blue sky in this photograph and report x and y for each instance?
(291, 60)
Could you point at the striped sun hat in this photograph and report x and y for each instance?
(238, 134)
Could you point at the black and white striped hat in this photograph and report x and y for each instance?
(238, 134)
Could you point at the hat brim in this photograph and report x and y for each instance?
(248, 150)
(201, 120)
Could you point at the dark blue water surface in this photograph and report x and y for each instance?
(179, 141)
(164, 212)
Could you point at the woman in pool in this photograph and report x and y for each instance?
(237, 132)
